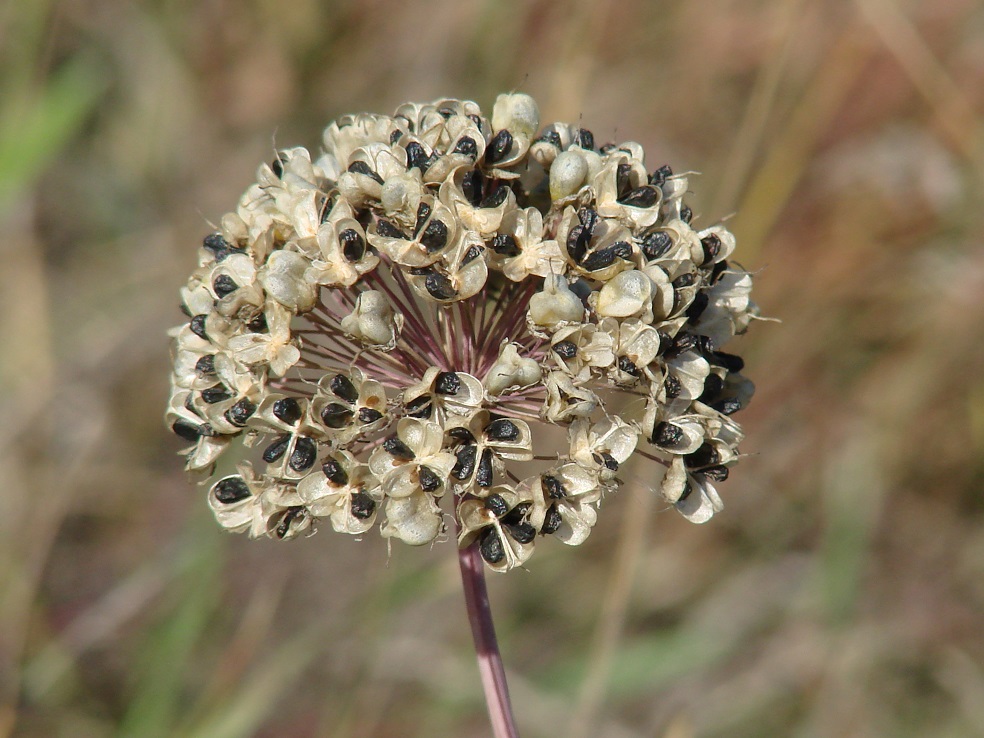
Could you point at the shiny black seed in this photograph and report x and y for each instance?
(197, 325)
(641, 197)
(625, 364)
(589, 219)
(505, 245)
(447, 383)
(287, 409)
(672, 386)
(490, 546)
(495, 198)
(419, 407)
(660, 175)
(585, 138)
(577, 242)
(518, 514)
(293, 513)
(606, 460)
(521, 532)
(607, 148)
(553, 487)
(398, 448)
(705, 344)
(483, 475)
(420, 271)
(599, 259)
(304, 455)
(416, 156)
(496, 505)
(362, 506)
(439, 286)
(223, 285)
(423, 212)
(728, 407)
(336, 415)
(464, 467)
(666, 434)
(656, 244)
(565, 349)
(335, 472)
(731, 362)
(550, 137)
(551, 521)
(665, 342)
(429, 481)
(186, 430)
(277, 165)
(716, 473)
(684, 280)
(258, 324)
(706, 455)
(239, 413)
(342, 387)
(435, 236)
(360, 167)
(388, 230)
(498, 147)
(712, 388)
(502, 429)
(698, 306)
(213, 395)
(462, 435)
(471, 187)
(711, 245)
(353, 244)
(395, 136)
(369, 415)
(622, 181)
(686, 214)
(687, 489)
(466, 146)
(276, 449)
(684, 342)
(231, 489)
(206, 364)
(219, 247)
(471, 254)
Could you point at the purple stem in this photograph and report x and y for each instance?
(486, 646)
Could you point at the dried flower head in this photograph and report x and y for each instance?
(395, 326)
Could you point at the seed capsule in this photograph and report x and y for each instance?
(360, 167)
(353, 244)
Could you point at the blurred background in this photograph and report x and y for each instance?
(841, 593)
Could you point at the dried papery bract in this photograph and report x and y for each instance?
(389, 327)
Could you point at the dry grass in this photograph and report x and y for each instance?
(840, 595)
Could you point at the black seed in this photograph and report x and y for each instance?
(362, 506)
(684, 342)
(712, 388)
(447, 383)
(719, 268)
(565, 349)
(687, 489)
(498, 147)
(553, 487)
(625, 364)
(711, 245)
(276, 449)
(353, 244)
(463, 435)
(496, 505)
(495, 198)
(439, 286)
(369, 415)
(326, 208)
(257, 324)
(206, 364)
(231, 489)
(304, 455)
(698, 306)
(641, 197)
(585, 138)
(239, 413)
(277, 165)
(336, 415)
(599, 259)
(505, 245)
(589, 219)
(471, 187)
(420, 271)
(684, 280)
(622, 181)
(288, 410)
(686, 214)
(360, 167)
(666, 434)
(656, 244)
(213, 395)
(521, 532)
(672, 386)
(577, 242)
(464, 467)
(731, 362)
(728, 407)
(660, 175)
(466, 146)
(335, 472)
(388, 230)
(471, 254)
(223, 285)
(342, 387)
(423, 212)
(551, 521)
(395, 136)
(550, 137)
(705, 345)
(292, 514)
(197, 325)
(607, 148)
(502, 429)
(435, 236)
(483, 475)
(609, 461)
(704, 456)
(665, 342)
(419, 407)
(490, 546)
(416, 156)
(429, 481)
(518, 514)
(186, 430)
(219, 247)
(716, 473)
(398, 448)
